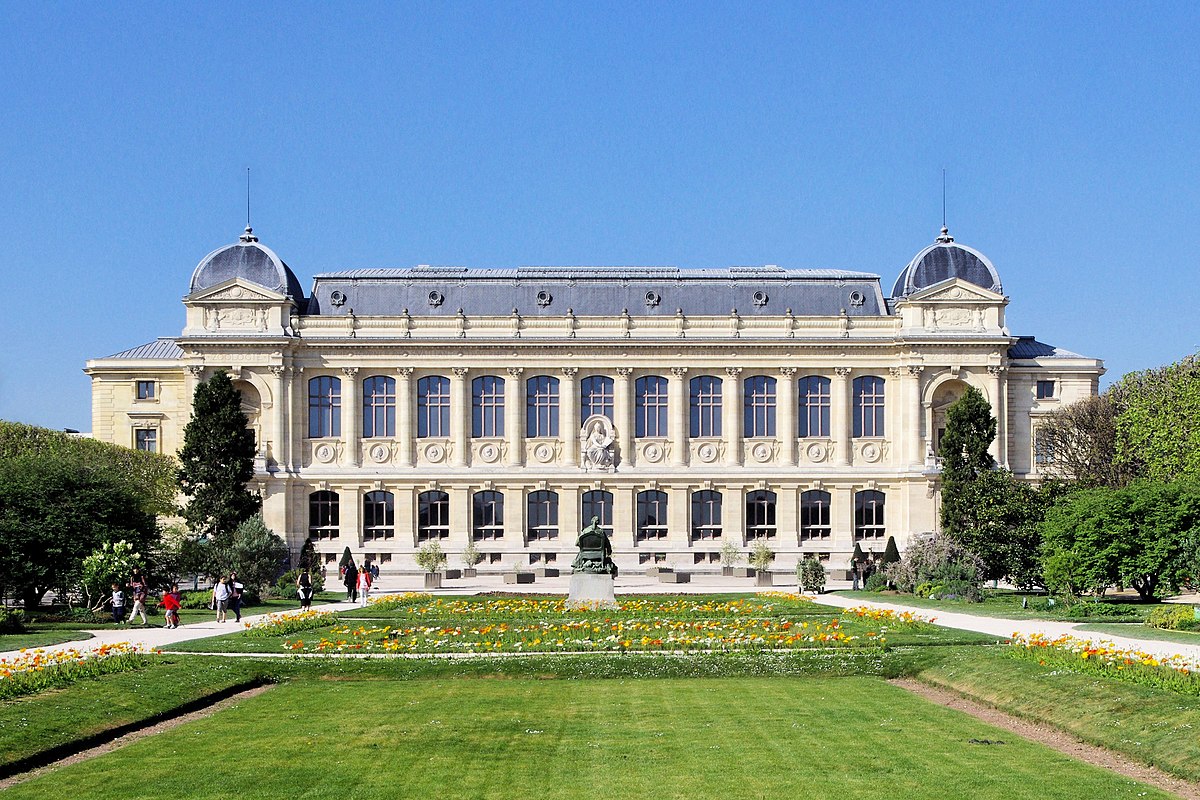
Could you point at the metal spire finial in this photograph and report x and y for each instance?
(248, 235)
(945, 236)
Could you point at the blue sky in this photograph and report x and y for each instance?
(499, 134)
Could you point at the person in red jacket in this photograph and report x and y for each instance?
(364, 584)
(171, 602)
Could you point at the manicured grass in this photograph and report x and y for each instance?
(1153, 726)
(40, 638)
(816, 738)
(1139, 631)
(1002, 603)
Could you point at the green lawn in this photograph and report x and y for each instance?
(1139, 631)
(723, 738)
(1007, 603)
(41, 637)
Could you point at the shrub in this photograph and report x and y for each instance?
(431, 557)
(1173, 618)
(12, 620)
(810, 574)
(876, 583)
(286, 585)
(471, 555)
(949, 569)
(195, 599)
(761, 556)
(730, 555)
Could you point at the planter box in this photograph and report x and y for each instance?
(433, 580)
(518, 577)
(727, 572)
(453, 573)
(654, 572)
(546, 572)
(674, 577)
(763, 579)
(470, 572)
(744, 572)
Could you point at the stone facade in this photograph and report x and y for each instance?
(684, 422)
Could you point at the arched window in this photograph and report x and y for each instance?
(651, 515)
(542, 515)
(760, 515)
(759, 406)
(814, 516)
(379, 516)
(706, 515)
(596, 396)
(487, 516)
(324, 407)
(541, 406)
(597, 503)
(487, 406)
(813, 419)
(868, 515)
(379, 406)
(868, 406)
(323, 515)
(433, 516)
(650, 415)
(705, 405)
(433, 406)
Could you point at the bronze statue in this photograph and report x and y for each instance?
(595, 551)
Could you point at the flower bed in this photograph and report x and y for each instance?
(905, 618)
(423, 605)
(1176, 672)
(289, 622)
(37, 670)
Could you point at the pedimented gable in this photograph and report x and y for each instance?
(236, 290)
(957, 291)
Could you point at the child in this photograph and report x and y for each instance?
(171, 604)
(139, 603)
(118, 604)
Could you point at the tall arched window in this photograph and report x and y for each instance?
(868, 406)
(759, 406)
(868, 515)
(542, 515)
(433, 406)
(650, 407)
(705, 406)
(324, 407)
(323, 514)
(760, 515)
(433, 516)
(813, 419)
(651, 515)
(487, 406)
(596, 396)
(487, 516)
(814, 516)
(706, 515)
(541, 406)
(379, 516)
(379, 406)
(597, 503)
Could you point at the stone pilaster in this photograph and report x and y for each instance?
(624, 401)
(460, 412)
(677, 400)
(514, 416)
(840, 412)
(351, 416)
(406, 430)
(786, 410)
(731, 415)
(568, 417)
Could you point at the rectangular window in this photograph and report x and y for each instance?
(814, 406)
(759, 406)
(433, 406)
(596, 397)
(379, 514)
(541, 406)
(487, 520)
(379, 407)
(324, 407)
(706, 515)
(868, 406)
(487, 406)
(542, 511)
(760, 515)
(651, 515)
(868, 515)
(146, 439)
(1045, 390)
(705, 406)
(145, 390)
(814, 516)
(650, 413)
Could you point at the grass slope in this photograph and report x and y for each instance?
(820, 738)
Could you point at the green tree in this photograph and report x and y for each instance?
(1158, 424)
(112, 562)
(970, 429)
(258, 555)
(53, 513)
(216, 462)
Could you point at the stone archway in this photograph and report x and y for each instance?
(944, 396)
(252, 408)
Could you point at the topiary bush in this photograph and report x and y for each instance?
(810, 574)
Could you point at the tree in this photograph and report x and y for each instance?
(110, 563)
(810, 574)
(970, 429)
(53, 513)
(1158, 424)
(258, 555)
(217, 461)
(891, 553)
(1079, 442)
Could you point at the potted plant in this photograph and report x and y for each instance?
(730, 556)
(471, 558)
(761, 557)
(431, 558)
(810, 574)
(520, 573)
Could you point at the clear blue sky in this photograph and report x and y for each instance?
(498, 134)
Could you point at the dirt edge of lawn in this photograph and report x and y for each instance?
(107, 741)
(1054, 738)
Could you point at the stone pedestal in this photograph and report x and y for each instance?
(591, 590)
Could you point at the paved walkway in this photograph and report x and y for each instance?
(634, 585)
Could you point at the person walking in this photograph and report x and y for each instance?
(364, 584)
(304, 588)
(118, 604)
(171, 603)
(139, 603)
(221, 598)
(350, 579)
(235, 596)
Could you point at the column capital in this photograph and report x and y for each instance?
(278, 370)
(896, 372)
(195, 370)
(842, 372)
(515, 372)
(459, 372)
(787, 372)
(624, 372)
(996, 370)
(404, 372)
(349, 372)
(733, 372)
(570, 372)
(679, 372)
(916, 369)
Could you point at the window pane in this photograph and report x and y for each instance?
(433, 406)
(487, 516)
(705, 406)
(596, 396)
(598, 503)
(868, 406)
(379, 406)
(146, 439)
(324, 407)
(433, 516)
(813, 419)
(541, 406)
(650, 414)
(814, 516)
(323, 514)
(868, 515)
(759, 406)
(760, 515)
(706, 515)
(651, 515)
(542, 516)
(487, 406)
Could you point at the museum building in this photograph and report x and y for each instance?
(686, 408)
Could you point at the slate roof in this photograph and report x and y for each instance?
(946, 259)
(1028, 347)
(161, 348)
(596, 291)
(249, 259)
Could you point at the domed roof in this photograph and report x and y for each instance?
(248, 259)
(945, 259)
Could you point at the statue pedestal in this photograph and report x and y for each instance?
(591, 591)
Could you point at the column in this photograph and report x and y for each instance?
(996, 388)
(351, 416)
(514, 418)
(298, 395)
(785, 415)
(733, 515)
(350, 516)
(679, 511)
(568, 417)
(677, 400)
(731, 415)
(514, 516)
(406, 431)
(279, 415)
(460, 518)
(568, 515)
(623, 400)
(915, 446)
(787, 518)
(193, 375)
(460, 410)
(840, 413)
